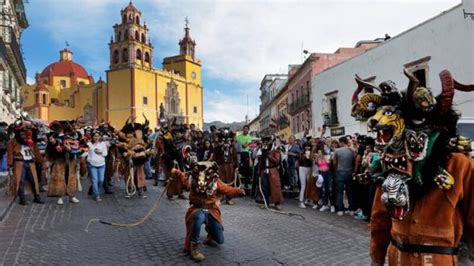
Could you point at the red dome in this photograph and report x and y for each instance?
(65, 68)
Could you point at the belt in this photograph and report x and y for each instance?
(425, 248)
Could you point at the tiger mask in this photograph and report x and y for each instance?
(389, 125)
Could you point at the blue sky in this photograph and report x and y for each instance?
(238, 41)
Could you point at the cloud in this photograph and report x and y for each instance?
(238, 42)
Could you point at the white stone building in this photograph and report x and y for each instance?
(442, 42)
(269, 88)
(12, 68)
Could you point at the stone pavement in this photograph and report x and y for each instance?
(50, 234)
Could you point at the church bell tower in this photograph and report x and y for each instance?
(130, 45)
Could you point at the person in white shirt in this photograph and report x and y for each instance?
(96, 163)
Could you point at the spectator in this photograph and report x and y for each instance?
(244, 140)
(96, 163)
(344, 165)
(324, 171)
(305, 164)
(293, 154)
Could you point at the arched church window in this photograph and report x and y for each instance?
(143, 38)
(173, 106)
(125, 55)
(119, 36)
(147, 57)
(125, 35)
(139, 54)
(137, 36)
(124, 20)
(137, 19)
(116, 57)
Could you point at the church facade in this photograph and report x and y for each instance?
(133, 86)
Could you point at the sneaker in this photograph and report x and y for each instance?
(333, 209)
(60, 201)
(74, 200)
(358, 211)
(98, 199)
(277, 207)
(351, 213)
(340, 213)
(302, 206)
(316, 206)
(360, 216)
(324, 208)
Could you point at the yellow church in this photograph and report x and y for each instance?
(133, 87)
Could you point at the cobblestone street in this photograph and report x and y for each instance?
(51, 234)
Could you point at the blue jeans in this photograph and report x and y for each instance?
(328, 193)
(97, 178)
(26, 175)
(148, 173)
(214, 228)
(344, 182)
(292, 173)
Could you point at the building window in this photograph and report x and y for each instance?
(124, 20)
(44, 99)
(147, 57)
(119, 36)
(116, 57)
(420, 69)
(137, 19)
(137, 36)
(330, 116)
(195, 109)
(143, 38)
(420, 74)
(63, 83)
(125, 55)
(125, 35)
(139, 54)
(145, 100)
(36, 98)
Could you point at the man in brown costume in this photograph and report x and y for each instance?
(269, 174)
(205, 189)
(22, 154)
(225, 155)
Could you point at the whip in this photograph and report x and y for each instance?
(300, 217)
(130, 187)
(155, 206)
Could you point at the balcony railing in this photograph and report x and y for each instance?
(299, 104)
(14, 56)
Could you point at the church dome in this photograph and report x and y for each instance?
(65, 67)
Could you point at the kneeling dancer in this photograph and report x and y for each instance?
(204, 197)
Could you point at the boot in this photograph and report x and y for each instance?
(140, 193)
(23, 200)
(196, 255)
(38, 199)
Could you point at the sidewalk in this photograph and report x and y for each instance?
(5, 201)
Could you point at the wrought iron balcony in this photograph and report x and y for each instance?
(13, 55)
(299, 104)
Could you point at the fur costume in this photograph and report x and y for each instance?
(63, 150)
(205, 189)
(132, 142)
(426, 201)
(23, 153)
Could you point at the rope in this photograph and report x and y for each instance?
(156, 205)
(130, 187)
(300, 217)
(236, 177)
